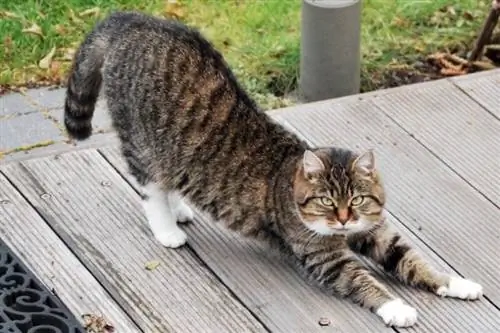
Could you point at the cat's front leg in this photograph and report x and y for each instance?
(386, 247)
(340, 271)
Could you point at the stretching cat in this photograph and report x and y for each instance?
(189, 131)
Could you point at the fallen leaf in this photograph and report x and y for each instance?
(74, 18)
(7, 14)
(468, 15)
(278, 52)
(96, 324)
(452, 72)
(400, 22)
(95, 11)
(34, 29)
(55, 68)
(7, 42)
(451, 10)
(68, 54)
(458, 60)
(173, 9)
(47, 60)
(60, 29)
(152, 265)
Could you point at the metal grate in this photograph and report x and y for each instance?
(26, 305)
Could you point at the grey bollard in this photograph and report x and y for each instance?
(330, 49)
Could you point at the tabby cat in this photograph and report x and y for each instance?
(191, 134)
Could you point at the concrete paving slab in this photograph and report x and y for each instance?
(27, 130)
(47, 98)
(15, 103)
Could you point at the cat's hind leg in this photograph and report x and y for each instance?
(162, 209)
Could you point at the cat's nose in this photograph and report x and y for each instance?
(343, 221)
(343, 216)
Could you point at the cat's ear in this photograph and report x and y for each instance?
(365, 162)
(312, 164)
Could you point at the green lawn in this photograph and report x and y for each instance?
(260, 39)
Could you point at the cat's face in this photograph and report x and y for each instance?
(338, 192)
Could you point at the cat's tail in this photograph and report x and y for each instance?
(84, 84)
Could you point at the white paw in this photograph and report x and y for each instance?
(396, 313)
(184, 213)
(174, 238)
(461, 288)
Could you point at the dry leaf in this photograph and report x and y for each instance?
(95, 11)
(401, 22)
(7, 14)
(152, 265)
(451, 10)
(7, 42)
(468, 16)
(68, 54)
(60, 29)
(34, 29)
(96, 324)
(55, 68)
(173, 9)
(452, 72)
(458, 60)
(73, 17)
(47, 60)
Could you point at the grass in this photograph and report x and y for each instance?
(260, 39)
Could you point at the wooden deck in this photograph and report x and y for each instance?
(75, 217)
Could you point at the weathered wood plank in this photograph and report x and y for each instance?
(267, 285)
(286, 304)
(453, 126)
(436, 204)
(484, 87)
(101, 219)
(43, 251)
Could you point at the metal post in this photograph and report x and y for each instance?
(330, 49)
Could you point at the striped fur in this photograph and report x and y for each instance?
(189, 131)
(393, 253)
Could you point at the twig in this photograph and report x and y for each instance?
(457, 59)
(483, 65)
(493, 47)
(487, 31)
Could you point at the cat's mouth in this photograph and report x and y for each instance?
(328, 228)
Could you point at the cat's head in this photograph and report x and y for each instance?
(337, 191)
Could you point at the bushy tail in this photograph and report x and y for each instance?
(84, 84)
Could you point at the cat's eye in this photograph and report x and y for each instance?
(326, 201)
(356, 201)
